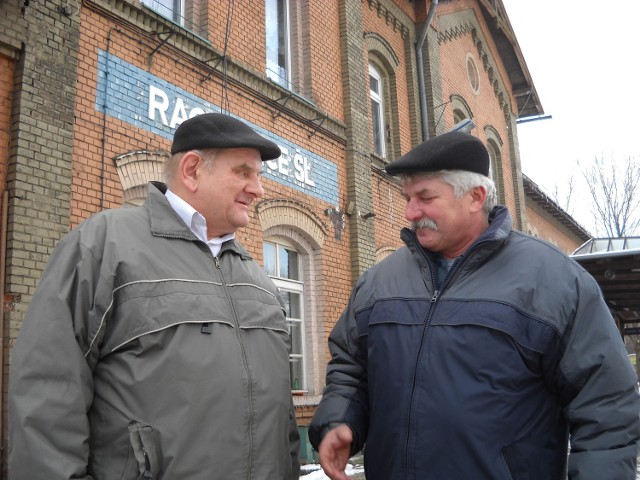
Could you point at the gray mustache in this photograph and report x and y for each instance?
(425, 223)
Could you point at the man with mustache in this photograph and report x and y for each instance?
(155, 347)
(476, 352)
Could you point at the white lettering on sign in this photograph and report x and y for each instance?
(159, 103)
(296, 168)
(158, 100)
(300, 171)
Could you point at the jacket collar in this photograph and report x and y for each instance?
(165, 222)
(496, 234)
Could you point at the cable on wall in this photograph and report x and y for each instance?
(224, 96)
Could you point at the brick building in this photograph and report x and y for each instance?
(91, 92)
(546, 219)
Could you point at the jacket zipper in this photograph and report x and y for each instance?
(147, 465)
(245, 364)
(433, 301)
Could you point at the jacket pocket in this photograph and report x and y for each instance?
(528, 461)
(145, 456)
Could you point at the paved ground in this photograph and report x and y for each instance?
(356, 471)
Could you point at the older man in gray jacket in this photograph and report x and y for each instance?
(155, 347)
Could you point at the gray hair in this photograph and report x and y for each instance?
(462, 182)
(173, 161)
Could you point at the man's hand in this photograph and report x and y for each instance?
(334, 452)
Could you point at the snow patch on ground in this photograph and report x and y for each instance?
(314, 471)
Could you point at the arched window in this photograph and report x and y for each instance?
(292, 252)
(460, 108)
(494, 146)
(383, 96)
(282, 263)
(376, 95)
(458, 116)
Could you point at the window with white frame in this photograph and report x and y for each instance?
(495, 168)
(278, 28)
(171, 9)
(377, 111)
(282, 264)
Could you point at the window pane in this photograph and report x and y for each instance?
(292, 304)
(269, 255)
(288, 263)
(294, 268)
(277, 41)
(166, 8)
(295, 300)
(284, 296)
(374, 85)
(377, 111)
(295, 364)
(283, 258)
(377, 128)
(295, 329)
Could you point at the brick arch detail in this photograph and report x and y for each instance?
(136, 169)
(376, 43)
(281, 212)
(384, 252)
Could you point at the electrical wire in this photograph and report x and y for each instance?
(224, 95)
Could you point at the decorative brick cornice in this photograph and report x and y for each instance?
(491, 69)
(452, 33)
(390, 17)
(469, 27)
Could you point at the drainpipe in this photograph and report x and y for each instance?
(3, 256)
(424, 113)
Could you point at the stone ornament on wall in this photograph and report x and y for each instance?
(136, 169)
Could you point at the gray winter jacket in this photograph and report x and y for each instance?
(487, 375)
(143, 356)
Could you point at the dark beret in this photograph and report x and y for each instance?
(449, 151)
(217, 130)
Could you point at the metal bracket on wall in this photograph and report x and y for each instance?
(337, 219)
(153, 52)
(286, 97)
(219, 59)
(318, 125)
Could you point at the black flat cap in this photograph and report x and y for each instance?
(449, 151)
(216, 130)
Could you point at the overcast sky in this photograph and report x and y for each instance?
(582, 56)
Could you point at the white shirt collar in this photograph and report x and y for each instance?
(196, 222)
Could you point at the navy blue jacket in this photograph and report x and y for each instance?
(486, 377)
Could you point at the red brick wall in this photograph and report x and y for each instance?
(542, 225)
(484, 104)
(6, 89)
(389, 209)
(326, 66)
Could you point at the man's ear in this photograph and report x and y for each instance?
(478, 196)
(188, 171)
